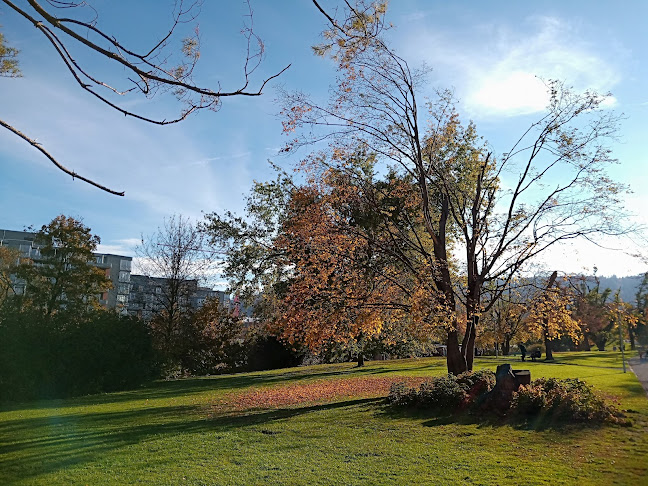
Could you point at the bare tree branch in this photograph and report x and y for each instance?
(148, 73)
(73, 174)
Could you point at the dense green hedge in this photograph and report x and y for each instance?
(61, 355)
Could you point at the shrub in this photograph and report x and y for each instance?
(477, 383)
(402, 395)
(563, 400)
(64, 355)
(445, 392)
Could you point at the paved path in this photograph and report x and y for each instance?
(640, 369)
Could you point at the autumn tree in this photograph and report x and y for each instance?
(71, 28)
(9, 258)
(176, 254)
(550, 315)
(327, 257)
(592, 307)
(624, 318)
(62, 276)
(507, 319)
(556, 184)
(8, 59)
(342, 287)
(217, 340)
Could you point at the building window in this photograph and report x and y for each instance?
(125, 265)
(158, 290)
(123, 288)
(124, 276)
(100, 259)
(122, 299)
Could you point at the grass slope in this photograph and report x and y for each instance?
(316, 425)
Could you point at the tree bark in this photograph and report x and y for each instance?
(455, 358)
(548, 351)
(506, 346)
(600, 344)
(469, 352)
(547, 340)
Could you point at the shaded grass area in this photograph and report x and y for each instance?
(180, 432)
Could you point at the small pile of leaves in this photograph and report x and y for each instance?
(317, 391)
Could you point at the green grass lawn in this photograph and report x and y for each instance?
(317, 425)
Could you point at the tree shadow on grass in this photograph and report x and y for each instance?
(185, 387)
(32, 447)
(432, 418)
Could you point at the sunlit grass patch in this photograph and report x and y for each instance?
(317, 425)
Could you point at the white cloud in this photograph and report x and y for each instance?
(498, 70)
(119, 247)
(511, 92)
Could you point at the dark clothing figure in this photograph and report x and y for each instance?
(523, 351)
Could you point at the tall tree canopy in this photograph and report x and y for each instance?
(556, 188)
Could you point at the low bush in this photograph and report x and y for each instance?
(569, 400)
(451, 393)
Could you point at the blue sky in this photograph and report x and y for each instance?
(490, 53)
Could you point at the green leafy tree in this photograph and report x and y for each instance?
(8, 263)
(217, 340)
(592, 307)
(63, 277)
(640, 332)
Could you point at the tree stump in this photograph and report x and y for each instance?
(507, 381)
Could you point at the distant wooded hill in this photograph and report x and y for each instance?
(628, 285)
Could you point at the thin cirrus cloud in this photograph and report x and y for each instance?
(501, 71)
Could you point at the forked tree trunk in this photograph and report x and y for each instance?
(600, 343)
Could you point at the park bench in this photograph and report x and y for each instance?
(535, 354)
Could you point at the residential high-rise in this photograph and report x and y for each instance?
(117, 268)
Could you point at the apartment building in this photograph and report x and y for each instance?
(150, 295)
(117, 268)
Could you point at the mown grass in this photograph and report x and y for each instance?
(226, 430)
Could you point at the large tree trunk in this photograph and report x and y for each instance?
(455, 358)
(548, 351)
(506, 345)
(361, 360)
(547, 340)
(601, 342)
(469, 352)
